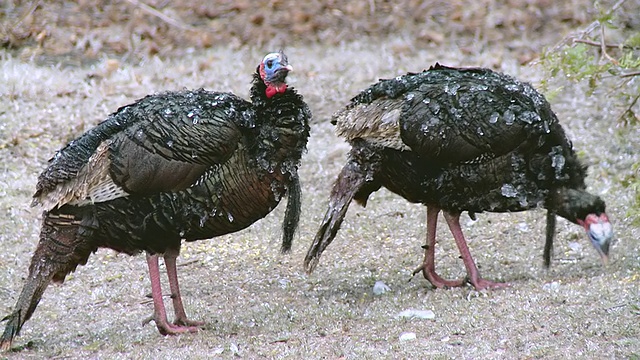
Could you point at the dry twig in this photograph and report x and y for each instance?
(169, 20)
(603, 48)
(629, 109)
(631, 74)
(31, 9)
(612, 46)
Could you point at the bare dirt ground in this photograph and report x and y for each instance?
(66, 65)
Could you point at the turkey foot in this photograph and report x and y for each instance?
(167, 328)
(188, 323)
(480, 284)
(428, 266)
(182, 324)
(435, 279)
(170, 257)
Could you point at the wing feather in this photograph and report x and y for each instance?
(163, 142)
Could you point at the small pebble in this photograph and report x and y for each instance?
(523, 226)
(406, 336)
(418, 314)
(553, 286)
(283, 283)
(380, 288)
(234, 349)
(575, 246)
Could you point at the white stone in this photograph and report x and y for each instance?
(407, 336)
(418, 314)
(380, 288)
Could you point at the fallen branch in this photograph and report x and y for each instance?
(616, 307)
(631, 74)
(188, 263)
(169, 20)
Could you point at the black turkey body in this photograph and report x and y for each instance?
(177, 165)
(460, 140)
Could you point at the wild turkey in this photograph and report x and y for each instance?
(177, 165)
(460, 140)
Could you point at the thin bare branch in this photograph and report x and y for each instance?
(628, 110)
(631, 74)
(603, 48)
(169, 20)
(613, 46)
(31, 9)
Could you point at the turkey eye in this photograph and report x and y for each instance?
(269, 64)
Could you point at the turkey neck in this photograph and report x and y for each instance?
(280, 126)
(574, 204)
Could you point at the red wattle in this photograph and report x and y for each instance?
(271, 91)
(275, 89)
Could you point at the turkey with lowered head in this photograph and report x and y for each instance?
(186, 165)
(459, 140)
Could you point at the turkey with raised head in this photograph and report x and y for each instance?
(185, 165)
(460, 139)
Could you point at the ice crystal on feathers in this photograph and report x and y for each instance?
(513, 87)
(276, 190)
(435, 107)
(508, 190)
(479, 87)
(451, 89)
(529, 117)
(545, 126)
(509, 117)
(557, 161)
(139, 135)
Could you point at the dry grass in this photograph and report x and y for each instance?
(260, 304)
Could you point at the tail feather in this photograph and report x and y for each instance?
(350, 181)
(29, 298)
(59, 252)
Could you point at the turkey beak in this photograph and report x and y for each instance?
(289, 68)
(600, 233)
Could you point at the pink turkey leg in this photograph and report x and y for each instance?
(159, 312)
(172, 273)
(428, 266)
(472, 271)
